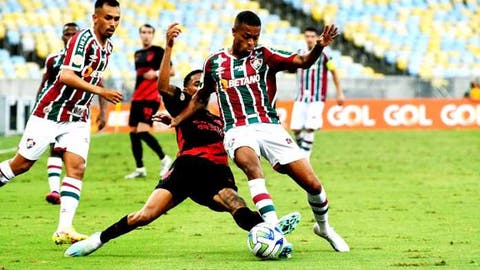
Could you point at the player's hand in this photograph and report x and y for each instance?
(175, 122)
(330, 32)
(150, 75)
(162, 118)
(173, 31)
(111, 95)
(101, 122)
(340, 99)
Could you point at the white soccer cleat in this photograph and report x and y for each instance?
(84, 247)
(138, 173)
(165, 165)
(335, 240)
(289, 222)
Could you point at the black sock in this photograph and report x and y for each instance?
(152, 143)
(246, 218)
(137, 149)
(117, 229)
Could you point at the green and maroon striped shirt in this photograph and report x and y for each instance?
(246, 87)
(88, 59)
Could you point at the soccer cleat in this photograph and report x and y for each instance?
(53, 197)
(287, 250)
(67, 236)
(138, 173)
(84, 247)
(335, 240)
(289, 222)
(165, 165)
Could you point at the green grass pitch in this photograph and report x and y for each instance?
(402, 200)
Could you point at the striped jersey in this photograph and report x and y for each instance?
(88, 59)
(312, 82)
(246, 87)
(52, 67)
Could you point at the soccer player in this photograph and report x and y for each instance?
(200, 170)
(61, 114)
(52, 68)
(244, 79)
(145, 102)
(312, 91)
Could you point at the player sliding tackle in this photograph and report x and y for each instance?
(200, 171)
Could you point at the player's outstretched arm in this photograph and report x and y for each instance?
(330, 32)
(194, 105)
(71, 79)
(165, 68)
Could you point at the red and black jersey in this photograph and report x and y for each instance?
(145, 60)
(200, 135)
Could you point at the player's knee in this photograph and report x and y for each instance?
(22, 167)
(76, 170)
(313, 186)
(19, 164)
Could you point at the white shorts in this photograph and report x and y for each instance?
(271, 141)
(39, 133)
(307, 115)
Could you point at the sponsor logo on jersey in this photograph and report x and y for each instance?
(224, 84)
(89, 72)
(93, 58)
(243, 81)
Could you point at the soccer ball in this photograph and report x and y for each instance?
(265, 241)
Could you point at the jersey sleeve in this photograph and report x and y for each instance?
(207, 82)
(176, 103)
(76, 51)
(278, 59)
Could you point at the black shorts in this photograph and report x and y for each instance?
(199, 179)
(142, 111)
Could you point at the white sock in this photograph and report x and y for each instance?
(307, 143)
(6, 173)
(54, 170)
(319, 205)
(69, 199)
(263, 200)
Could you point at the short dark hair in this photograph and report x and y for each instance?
(247, 17)
(147, 25)
(189, 76)
(70, 24)
(112, 3)
(311, 29)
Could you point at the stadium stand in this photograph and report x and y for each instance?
(30, 29)
(431, 39)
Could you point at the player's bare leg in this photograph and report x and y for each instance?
(301, 172)
(248, 161)
(70, 191)
(159, 202)
(13, 167)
